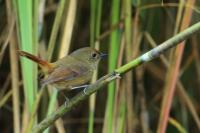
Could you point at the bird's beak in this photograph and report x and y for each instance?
(103, 55)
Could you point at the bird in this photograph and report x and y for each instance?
(70, 72)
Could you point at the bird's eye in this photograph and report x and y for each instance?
(94, 55)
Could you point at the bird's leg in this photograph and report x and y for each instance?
(77, 87)
(85, 89)
(66, 99)
(82, 86)
(114, 75)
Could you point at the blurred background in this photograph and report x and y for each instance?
(159, 96)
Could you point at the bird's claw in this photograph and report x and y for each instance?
(115, 75)
(85, 89)
(66, 99)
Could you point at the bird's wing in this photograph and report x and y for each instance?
(64, 73)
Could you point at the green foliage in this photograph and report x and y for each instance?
(27, 43)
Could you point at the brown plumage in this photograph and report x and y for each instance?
(70, 71)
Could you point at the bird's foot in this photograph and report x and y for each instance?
(85, 90)
(82, 86)
(114, 75)
(66, 99)
(77, 87)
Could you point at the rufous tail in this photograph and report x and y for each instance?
(44, 64)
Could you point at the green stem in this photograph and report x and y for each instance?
(55, 29)
(155, 52)
(95, 26)
(112, 62)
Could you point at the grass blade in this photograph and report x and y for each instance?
(26, 38)
(113, 50)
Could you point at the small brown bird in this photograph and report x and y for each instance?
(70, 71)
